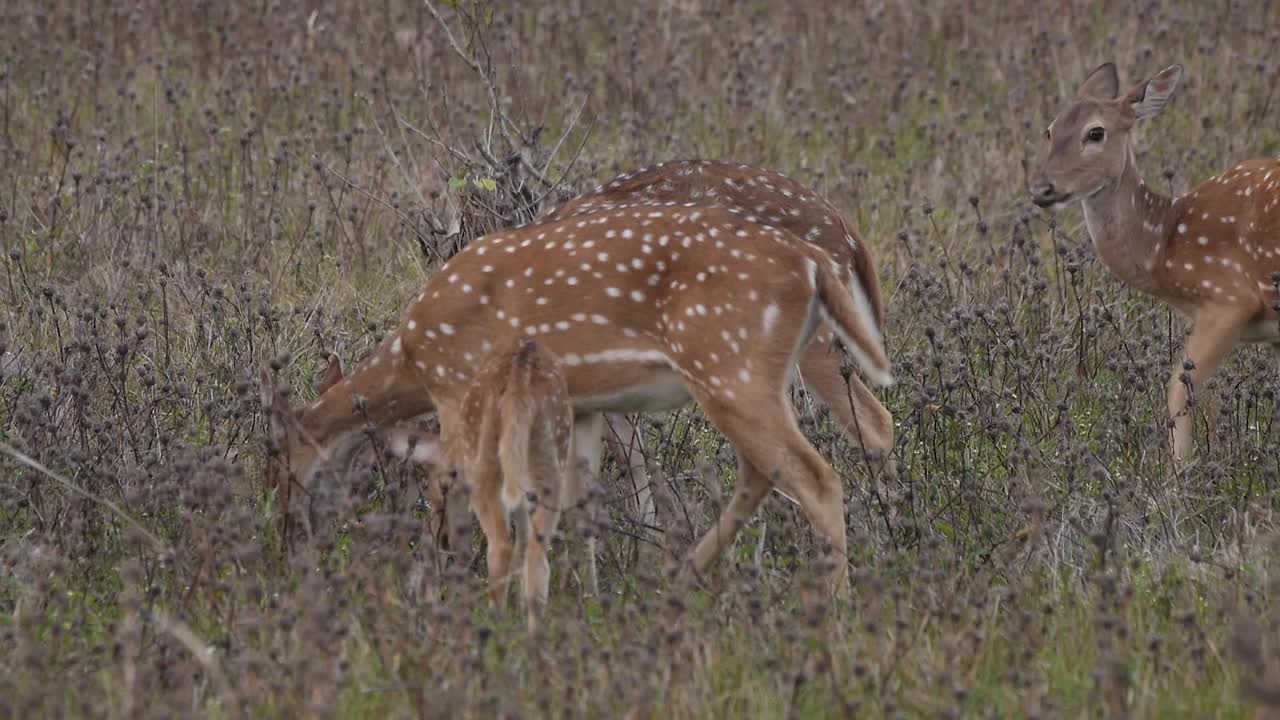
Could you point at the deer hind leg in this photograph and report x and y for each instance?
(864, 420)
(762, 426)
(1215, 331)
(486, 502)
(752, 488)
(543, 516)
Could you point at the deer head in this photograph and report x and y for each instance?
(1088, 142)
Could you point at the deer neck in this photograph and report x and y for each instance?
(1128, 223)
(389, 386)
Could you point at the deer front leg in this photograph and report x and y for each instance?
(584, 469)
(1213, 334)
(449, 521)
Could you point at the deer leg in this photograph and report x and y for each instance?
(449, 521)
(864, 420)
(439, 520)
(486, 502)
(752, 488)
(1215, 331)
(584, 468)
(762, 426)
(543, 516)
(493, 520)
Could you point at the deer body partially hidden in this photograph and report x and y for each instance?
(775, 200)
(1210, 253)
(646, 308)
(510, 444)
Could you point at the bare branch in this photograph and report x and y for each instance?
(423, 240)
(555, 149)
(486, 75)
(572, 161)
(457, 154)
(64, 482)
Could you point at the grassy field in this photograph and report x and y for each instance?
(189, 190)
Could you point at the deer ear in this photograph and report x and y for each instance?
(1149, 98)
(332, 373)
(1102, 84)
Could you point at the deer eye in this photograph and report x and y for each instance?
(1096, 135)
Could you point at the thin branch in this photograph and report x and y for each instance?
(386, 146)
(572, 161)
(485, 74)
(403, 218)
(35, 465)
(453, 42)
(555, 149)
(458, 155)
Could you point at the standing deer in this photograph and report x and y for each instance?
(1210, 253)
(775, 200)
(647, 308)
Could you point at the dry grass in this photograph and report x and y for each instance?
(188, 190)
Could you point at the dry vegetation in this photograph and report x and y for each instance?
(191, 189)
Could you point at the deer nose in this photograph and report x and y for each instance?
(1043, 193)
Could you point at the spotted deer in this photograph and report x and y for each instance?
(647, 308)
(775, 200)
(510, 448)
(1210, 253)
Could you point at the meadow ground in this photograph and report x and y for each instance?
(191, 189)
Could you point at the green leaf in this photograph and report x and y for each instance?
(485, 184)
(457, 183)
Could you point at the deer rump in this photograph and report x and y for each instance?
(736, 185)
(524, 425)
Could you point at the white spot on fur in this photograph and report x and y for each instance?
(770, 317)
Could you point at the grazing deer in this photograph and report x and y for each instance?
(647, 308)
(1210, 253)
(510, 445)
(767, 198)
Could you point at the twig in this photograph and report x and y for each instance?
(386, 146)
(573, 122)
(34, 465)
(457, 154)
(572, 161)
(494, 107)
(403, 218)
